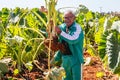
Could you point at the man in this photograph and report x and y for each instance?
(71, 35)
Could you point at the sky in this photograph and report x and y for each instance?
(94, 5)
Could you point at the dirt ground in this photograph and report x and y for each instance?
(93, 70)
(96, 71)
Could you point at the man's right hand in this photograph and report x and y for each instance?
(58, 30)
(55, 37)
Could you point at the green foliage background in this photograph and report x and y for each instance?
(22, 32)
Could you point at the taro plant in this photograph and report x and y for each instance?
(24, 47)
(5, 16)
(113, 48)
(32, 36)
(21, 43)
(110, 47)
(51, 22)
(3, 46)
(90, 25)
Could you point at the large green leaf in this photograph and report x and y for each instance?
(102, 45)
(117, 67)
(112, 48)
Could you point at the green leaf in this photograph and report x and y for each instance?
(28, 48)
(3, 67)
(117, 67)
(102, 45)
(113, 49)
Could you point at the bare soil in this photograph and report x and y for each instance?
(93, 71)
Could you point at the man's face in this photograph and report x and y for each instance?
(69, 19)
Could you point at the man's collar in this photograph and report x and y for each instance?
(71, 25)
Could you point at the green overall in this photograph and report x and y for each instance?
(71, 63)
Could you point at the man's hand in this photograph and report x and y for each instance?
(55, 37)
(57, 30)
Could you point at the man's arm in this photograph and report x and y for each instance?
(71, 39)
